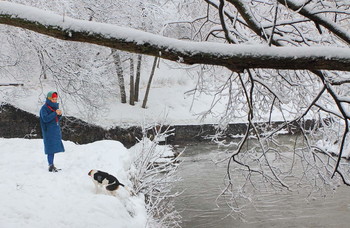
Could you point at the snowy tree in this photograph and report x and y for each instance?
(58, 61)
(276, 60)
(264, 96)
(235, 58)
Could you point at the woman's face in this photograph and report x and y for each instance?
(53, 100)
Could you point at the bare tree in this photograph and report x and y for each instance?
(132, 82)
(154, 175)
(138, 77)
(149, 82)
(120, 75)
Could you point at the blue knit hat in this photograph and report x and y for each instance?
(49, 95)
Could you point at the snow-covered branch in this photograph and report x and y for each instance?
(154, 175)
(11, 84)
(307, 12)
(235, 57)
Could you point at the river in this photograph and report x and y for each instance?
(202, 181)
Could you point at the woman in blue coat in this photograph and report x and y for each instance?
(50, 117)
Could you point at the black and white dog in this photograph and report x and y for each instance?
(109, 182)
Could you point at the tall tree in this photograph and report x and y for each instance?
(138, 77)
(132, 82)
(145, 99)
(120, 75)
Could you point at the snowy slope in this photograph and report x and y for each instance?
(32, 197)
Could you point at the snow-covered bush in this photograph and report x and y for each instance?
(153, 175)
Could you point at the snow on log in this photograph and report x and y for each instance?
(235, 57)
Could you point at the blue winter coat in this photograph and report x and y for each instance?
(50, 128)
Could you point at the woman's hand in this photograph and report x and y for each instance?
(59, 112)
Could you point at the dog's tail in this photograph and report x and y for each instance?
(115, 186)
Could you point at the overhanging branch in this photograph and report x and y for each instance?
(306, 11)
(237, 57)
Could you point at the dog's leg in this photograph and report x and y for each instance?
(114, 193)
(111, 193)
(104, 185)
(96, 187)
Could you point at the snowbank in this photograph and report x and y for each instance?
(32, 197)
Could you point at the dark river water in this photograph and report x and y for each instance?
(202, 181)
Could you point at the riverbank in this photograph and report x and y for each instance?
(17, 123)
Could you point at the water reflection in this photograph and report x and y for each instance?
(203, 181)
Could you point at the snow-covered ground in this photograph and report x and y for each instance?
(169, 101)
(31, 196)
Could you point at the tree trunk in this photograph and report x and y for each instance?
(42, 63)
(132, 84)
(138, 76)
(120, 75)
(149, 82)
